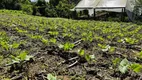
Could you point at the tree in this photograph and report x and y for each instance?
(138, 2)
(63, 8)
(138, 9)
(50, 11)
(41, 3)
(54, 2)
(10, 4)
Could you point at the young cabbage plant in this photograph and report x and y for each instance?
(41, 29)
(130, 40)
(115, 62)
(51, 77)
(54, 33)
(20, 30)
(136, 67)
(123, 66)
(106, 48)
(21, 58)
(44, 41)
(81, 52)
(15, 45)
(4, 45)
(139, 55)
(68, 46)
(36, 36)
(88, 57)
(53, 40)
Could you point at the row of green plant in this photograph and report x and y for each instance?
(125, 66)
(34, 33)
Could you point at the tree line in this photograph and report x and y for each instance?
(53, 8)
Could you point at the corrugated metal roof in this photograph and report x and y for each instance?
(101, 3)
(112, 3)
(86, 4)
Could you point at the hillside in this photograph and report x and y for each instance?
(39, 48)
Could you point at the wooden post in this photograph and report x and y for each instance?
(74, 14)
(94, 14)
(88, 13)
(122, 14)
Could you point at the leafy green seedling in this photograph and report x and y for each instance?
(68, 46)
(45, 41)
(21, 57)
(106, 48)
(53, 33)
(131, 40)
(92, 57)
(121, 41)
(53, 40)
(15, 45)
(139, 55)
(116, 61)
(60, 46)
(81, 52)
(4, 45)
(112, 49)
(136, 67)
(102, 46)
(20, 30)
(89, 57)
(123, 66)
(32, 36)
(51, 77)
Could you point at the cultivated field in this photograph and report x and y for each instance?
(39, 48)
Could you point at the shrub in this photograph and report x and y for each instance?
(27, 8)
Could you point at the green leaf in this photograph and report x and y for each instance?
(100, 45)
(139, 55)
(92, 57)
(28, 57)
(124, 62)
(45, 41)
(60, 46)
(51, 77)
(123, 67)
(15, 61)
(68, 46)
(23, 55)
(5, 45)
(136, 67)
(53, 40)
(81, 52)
(87, 57)
(106, 48)
(116, 61)
(15, 45)
(112, 49)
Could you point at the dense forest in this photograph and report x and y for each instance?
(53, 8)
